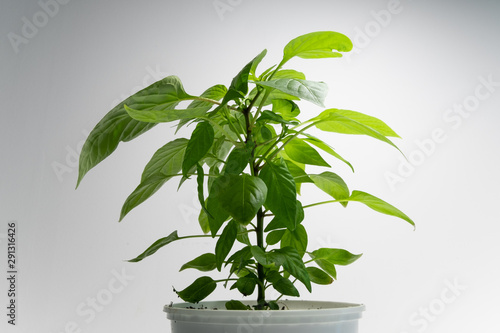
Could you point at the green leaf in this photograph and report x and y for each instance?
(198, 290)
(246, 284)
(214, 205)
(142, 192)
(291, 261)
(241, 196)
(242, 236)
(301, 152)
(281, 284)
(286, 108)
(311, 91)
(156, 246)
(167, 160)
(318, 276)
(256, 61)
(369, 121)
(225, 243)
(333, 185)
(278, 222)
(335, 122)
(317, 45)
(272, 117)
(200, 176)
(325, 147)
(379, 205)
(264, 258)
(203, 222)
(215, 93)
(115, 127)
(239, 85)
(158, 103)
(289, 74)
(281, 193)
(299, 175)
(198, 146)
(240, 259)
(296, 239)
(335, 256)
(204, 263)
(237, 160)
(274, 237)
(236, 305)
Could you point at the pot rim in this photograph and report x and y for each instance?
(299, 311)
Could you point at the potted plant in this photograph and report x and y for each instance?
(248, 152)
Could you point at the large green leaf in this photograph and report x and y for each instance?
(317, 45)
(225, 243)
(246, 284)
(335, 122)
(198, 290)
(379, 205)
(237, 160)
(299, 151)
(241, 196)
(331, 184)
(156, 246)
(340, 127)
(198, 146)
(281, 193)
(117, 126)
(204, 263)
(311, 91)
(286, 108)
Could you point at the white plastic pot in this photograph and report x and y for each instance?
(298, 317)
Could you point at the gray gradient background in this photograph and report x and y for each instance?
(429, 57)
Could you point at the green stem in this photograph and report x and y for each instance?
(323, 202)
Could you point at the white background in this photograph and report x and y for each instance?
(415, 64)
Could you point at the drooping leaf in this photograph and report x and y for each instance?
(264, 258)
(167, 160)
(204, 263)
(200, 176)
(318, 276)
(319, 44)
(281, 284)
(314, 92)
(289, 74)
(142, 192)
(292, 262)
(156, 246)
(236, 305)
(281, 194)
(299, 175)
(225, 243)
(269, 116)
(278, 222)
(332, 184)
(198, 146)
(198, 290)
(379, 205)
(158, 103)
(299, 151)
(325, 147)
(203, 222)
(242, 236)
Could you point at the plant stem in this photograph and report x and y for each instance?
(261, 295)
